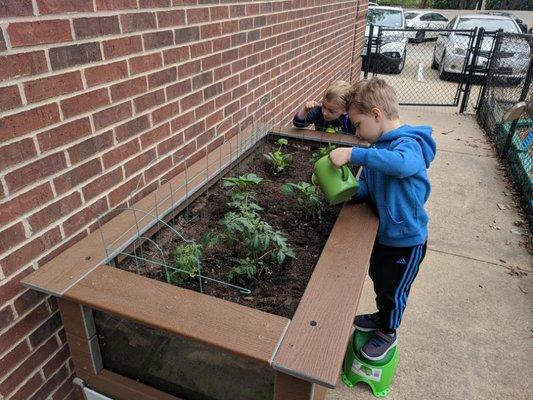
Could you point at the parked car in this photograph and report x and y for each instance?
(451, 48)
(520, 23)
(392, 49)
(418, 20)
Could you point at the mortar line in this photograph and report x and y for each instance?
(477, 259)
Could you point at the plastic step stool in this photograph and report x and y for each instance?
(376, 374)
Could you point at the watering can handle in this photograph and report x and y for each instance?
(345, 172)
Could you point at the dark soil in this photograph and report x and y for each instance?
(278, 291)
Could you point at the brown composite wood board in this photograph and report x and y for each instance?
(312, 136)
(313, 347)
(229, 326)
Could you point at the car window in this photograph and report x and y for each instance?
(410, 15)
(386, 18)
(426, 17)
(488, 24)
(439, 17)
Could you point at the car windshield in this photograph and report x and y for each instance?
(410, 15)
(488, 24)
(387, 18)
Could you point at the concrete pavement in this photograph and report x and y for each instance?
(468, 329)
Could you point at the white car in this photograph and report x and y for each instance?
(451, 48)
(392, 50)
(419, 20)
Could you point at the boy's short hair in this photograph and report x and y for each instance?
(337, 91)
(373, 93)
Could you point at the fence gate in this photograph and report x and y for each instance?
(430, 67)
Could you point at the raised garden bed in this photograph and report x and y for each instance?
(127, 332)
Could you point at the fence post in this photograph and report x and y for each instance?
(368, 50)
(523, 96)
(478, 34)
(495, 52)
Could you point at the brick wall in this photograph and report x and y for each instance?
(92, 91)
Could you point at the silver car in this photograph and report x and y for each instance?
(451, 48)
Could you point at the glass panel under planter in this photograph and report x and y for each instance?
(179, 366)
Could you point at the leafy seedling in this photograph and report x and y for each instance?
(278, 160)
(321, 152)
(308, 201)
(187, 260)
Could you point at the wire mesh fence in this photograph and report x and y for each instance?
(509, 82)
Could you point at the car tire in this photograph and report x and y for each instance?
(443, 75)
(420, 36)
(398, 68)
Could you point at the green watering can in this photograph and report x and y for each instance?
(338, 184)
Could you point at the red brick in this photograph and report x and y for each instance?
(28, 300)
(167, 111)
(55, 211)
(203, 79)
(197, 15)
(22, 64)
(93, 145)
(181, 122)
(77, 175)
(63, 6)
(16, 8)
(157, 169)
(137, 22)
(6, 318)
(194, 130)
(84, 217)
(173, 172)
(162, 77)
(155, 135)
(14, 208)
(212, 61)
(190, 68)
(64, 134)
(51, 384)
(84, 102)
(2, 40)
(154, 3)
(16, 153)
(106, 73)
(122, 47)
(170, 18)
(15, 355)
(139, 162)
(149, 100)
(170, 144)
(186, 35)
(67, 391)
(61, 248)
(178, 89)
(132, 128)
(24, 392)
(103, 183)
(193, 100)
(112, 115)
(156, 40)
(129, 88)
(121, 193)
(184, 152)
(11, 237)
(204, 109)
(220, 12)
(145, 63)
(97, 26)
(38, 32)
(27, 121)
(39, 169)
(238, 11)
(211, 30)
(201, 49)
(69, 56)
(10, 289)
(32, 363)
(57, 361)
(113, 5)
(176, 55)
(56, 85)
(120, 153)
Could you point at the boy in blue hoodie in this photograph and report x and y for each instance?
(395, 181)
(329, 115)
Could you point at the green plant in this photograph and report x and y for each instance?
(307, 198)
(187, 260)
(278, 160)
(321, 152)
(242, 182)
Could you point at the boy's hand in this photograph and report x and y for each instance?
(310, 104)
(340, 156)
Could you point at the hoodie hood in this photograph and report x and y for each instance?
(422, 134)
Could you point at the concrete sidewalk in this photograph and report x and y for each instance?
(468, 329)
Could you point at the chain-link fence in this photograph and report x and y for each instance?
(509, 82)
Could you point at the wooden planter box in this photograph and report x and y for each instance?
(262, 353)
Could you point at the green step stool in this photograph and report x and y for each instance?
(377, 374)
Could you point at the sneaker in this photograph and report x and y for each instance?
(367, 322)
(376, 348)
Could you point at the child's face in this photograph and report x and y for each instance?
(368, 127)
(331, 110)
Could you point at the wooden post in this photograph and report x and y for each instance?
(288, 387)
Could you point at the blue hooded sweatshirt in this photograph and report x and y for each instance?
(395, 179)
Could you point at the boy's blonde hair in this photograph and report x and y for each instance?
(337, 91)
(373, 93)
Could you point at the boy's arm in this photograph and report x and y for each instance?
(306, 116)
(362, 193)
(405, 159)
